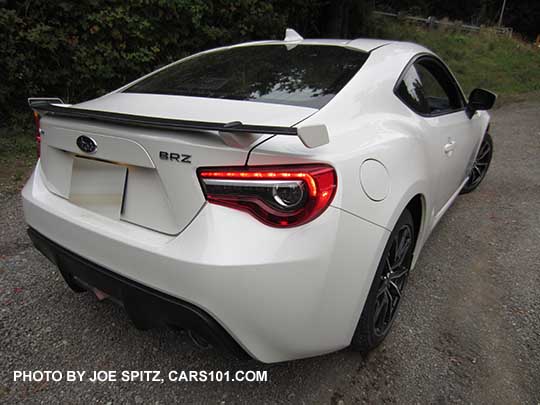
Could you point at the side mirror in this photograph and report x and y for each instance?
(480, 100)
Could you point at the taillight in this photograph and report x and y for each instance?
(38, 133)
(280, 196)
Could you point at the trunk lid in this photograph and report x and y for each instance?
(148, 176)
(200, 109)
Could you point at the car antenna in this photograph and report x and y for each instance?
(292, 36)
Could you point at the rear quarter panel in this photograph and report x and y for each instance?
(366, 121)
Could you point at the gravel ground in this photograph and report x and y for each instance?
(468, 330)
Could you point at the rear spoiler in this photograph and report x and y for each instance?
(311, 136)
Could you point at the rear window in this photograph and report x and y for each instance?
(301, 75)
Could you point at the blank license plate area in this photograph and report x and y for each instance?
(98, 186)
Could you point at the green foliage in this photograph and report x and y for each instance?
(499, 63)
(79, 50)
(522, 15)
(17, 156)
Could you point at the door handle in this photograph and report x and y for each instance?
(449, 147)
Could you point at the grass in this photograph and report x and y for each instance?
(17, 157)
(507, 66)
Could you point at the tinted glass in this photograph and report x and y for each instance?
(428, 88)
(305, 75)
(434, 95)
(411, 91)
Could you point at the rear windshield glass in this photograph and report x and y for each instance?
(304, 75)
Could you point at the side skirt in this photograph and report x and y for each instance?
(450, 201)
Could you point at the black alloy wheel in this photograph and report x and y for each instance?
(385, 295)
(480, 166)
(393, 279)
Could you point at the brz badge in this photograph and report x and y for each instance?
(86, 144)
(176, 157)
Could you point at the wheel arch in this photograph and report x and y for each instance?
(416, 200)
(416, 207)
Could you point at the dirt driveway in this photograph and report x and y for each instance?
(469, 329)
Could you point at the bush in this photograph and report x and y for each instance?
(79, 50)
(83, 49)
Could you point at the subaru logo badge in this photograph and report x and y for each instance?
(86, 144)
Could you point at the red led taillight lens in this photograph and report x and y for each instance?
(280, 196)
(37, 133)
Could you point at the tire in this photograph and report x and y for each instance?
(387, 286)
(481, 165)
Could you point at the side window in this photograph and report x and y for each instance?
(429, 89)
(411, 91)
(437, 100)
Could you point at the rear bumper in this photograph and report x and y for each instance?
(281, 294)
(145, 306)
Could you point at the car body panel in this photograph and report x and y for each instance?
(175, 197)
(410, 146)
(277, 295)
(198, 109)
(361, 44)
(281, 293)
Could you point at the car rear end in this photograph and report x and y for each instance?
(178, 227)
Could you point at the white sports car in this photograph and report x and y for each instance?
(271, 197)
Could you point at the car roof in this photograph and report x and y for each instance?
(362, 44)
